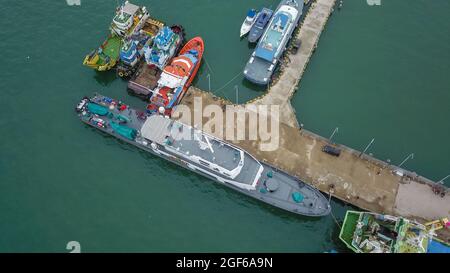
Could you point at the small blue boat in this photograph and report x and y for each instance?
(261, 22)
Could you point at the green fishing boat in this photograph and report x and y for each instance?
(106, 56)
(365, 232)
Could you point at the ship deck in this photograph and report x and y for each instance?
(186, 140)
(253, 179)
(112, 47)
(147, 76)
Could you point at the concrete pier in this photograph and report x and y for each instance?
(360, 180)
(294, 65)
(353, 177)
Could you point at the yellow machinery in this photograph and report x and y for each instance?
(438, 224)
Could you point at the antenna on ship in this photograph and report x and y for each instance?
(209, 144)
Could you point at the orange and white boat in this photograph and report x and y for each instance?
(177, 77)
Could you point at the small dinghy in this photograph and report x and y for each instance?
(248, 22)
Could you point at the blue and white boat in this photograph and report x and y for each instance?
(273, 42)
(248, 22)
(131, 54)
(165, 45)
(133, 49)
(261, 22)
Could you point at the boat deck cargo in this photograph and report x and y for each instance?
(152, 27)
(365, 232)
(146, 78)
(132, 51)
(144, 81)
(203, 154)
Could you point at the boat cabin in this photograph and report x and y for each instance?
(202, 152)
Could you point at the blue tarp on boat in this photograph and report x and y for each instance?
(128, 53)
(124, 131)
(264, 17)
(97, 109)
(164, 36)
(438, 247)
(251, 13)
(265, 54)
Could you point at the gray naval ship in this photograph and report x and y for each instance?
(204, 154)
(272, 44)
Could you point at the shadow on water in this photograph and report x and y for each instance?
(203, 70)
(251, 46)
(106, 77)
(254, 87)
(338, 244)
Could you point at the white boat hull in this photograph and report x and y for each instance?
(245, 30)
(247, 25)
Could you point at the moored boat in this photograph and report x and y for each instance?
(130, 55)
(145, 80)
(152, 27)
(206, 155)
(260, 25)
(106, 56)
(129, 19)
(249, 21)
(365, 232)
(262, 63)
(165, 45)
(177, 77)
(133, 49)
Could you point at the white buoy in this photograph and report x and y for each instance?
(161, 110)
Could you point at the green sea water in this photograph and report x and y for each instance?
(380, 72)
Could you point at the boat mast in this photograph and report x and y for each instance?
(209, 144)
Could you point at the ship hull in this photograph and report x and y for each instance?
(186, 165)
(321, 206)
(197, 44)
